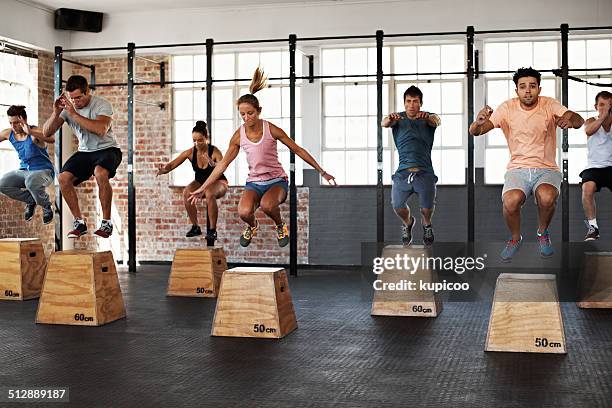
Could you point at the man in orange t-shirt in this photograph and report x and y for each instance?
(529, 123)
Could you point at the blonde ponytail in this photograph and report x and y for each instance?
(259, 82)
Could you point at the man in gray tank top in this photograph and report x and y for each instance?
(98, 155)
(598, 172)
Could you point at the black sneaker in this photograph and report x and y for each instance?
(28, 214)
(194, 231)
(48, 214)
(282, 233)
(407, 232)
(592, 232)
(211, 235)
(428, 235)
(105, 230)
(248, 234)
(80, 228)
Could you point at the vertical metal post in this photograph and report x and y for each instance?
(162, 74)
(209, 84)
(380, 193)
(92, 76)
(293, 231)
(565, 144)
(57, 86)
(470, 119)
(131, 190)
(209, 94)
(310, 69)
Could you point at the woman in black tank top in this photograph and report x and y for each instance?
(203, 157)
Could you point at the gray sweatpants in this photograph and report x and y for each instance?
(27, 186)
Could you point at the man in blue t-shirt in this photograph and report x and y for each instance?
(413, 134)
(28, 184)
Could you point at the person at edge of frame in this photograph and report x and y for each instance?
(529, 124)
(413, 135)
(204, 157)
(29, 183)
(90, 118)
(266, 184)
(598, 173)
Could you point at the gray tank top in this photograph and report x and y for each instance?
(600, 149)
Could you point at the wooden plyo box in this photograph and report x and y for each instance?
(23, 268)
(596, 281)
(81, 288)
(196, 272)
(526, 315)
(419, 303)
(254, 302)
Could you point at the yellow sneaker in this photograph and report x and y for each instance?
(282, 233)
(248, 234)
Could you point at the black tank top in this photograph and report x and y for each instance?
(202, 174)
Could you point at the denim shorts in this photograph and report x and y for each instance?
(262, 186)
(406, 183)
(528, 180)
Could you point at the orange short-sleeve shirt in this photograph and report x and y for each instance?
(531, 134)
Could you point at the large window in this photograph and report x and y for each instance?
(18, 79)
(509, 56)
(349, 109)
(190, 105)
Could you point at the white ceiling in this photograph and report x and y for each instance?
(117, 6)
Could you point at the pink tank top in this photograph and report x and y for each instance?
(262, 156)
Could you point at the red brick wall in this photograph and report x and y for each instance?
(161, 218)
(12, 224)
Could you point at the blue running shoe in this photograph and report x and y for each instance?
(546, 249)
(510, 249)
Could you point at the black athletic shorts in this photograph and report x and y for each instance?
(83, 164)
(601, 176)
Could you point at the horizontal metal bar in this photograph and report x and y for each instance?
(512, 72)
(332, 77)
(336, 76)
(547, 70)
(249, 79)
(76, 63)
(425, 34)
(170, 45)
(338, 37)
(108, 85)
(590, 69)
(590, 28)
(148, 60)
(524, 30)
(273, 40)
(4, 104)
(160, 105)
(14, 49)
(428, 74)
(384, 75)
(95, 49)
(184, 82)
(148, 83)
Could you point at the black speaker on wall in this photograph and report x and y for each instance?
(78, 20)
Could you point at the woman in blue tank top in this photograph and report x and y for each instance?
(28, 183)
(203, 157)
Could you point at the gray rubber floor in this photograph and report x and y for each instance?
(163, 356)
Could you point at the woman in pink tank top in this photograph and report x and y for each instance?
(266, 185)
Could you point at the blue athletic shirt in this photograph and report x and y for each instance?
(31, 156)
(414, 140)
